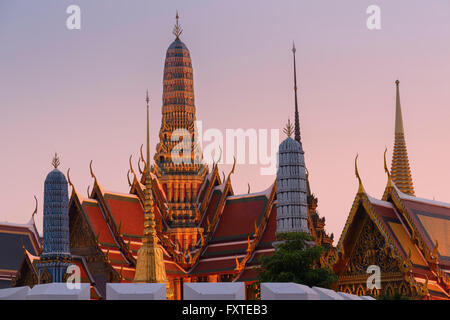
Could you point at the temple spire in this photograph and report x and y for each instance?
(150, 265)
(148, 132)
(400, 170)
(297, 120)
(398, 111)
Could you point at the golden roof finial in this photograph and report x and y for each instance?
(177, 29)
(36, 207)
(55, 161)
(288, 130)
(385, 164)
(360, 187)
(92, 171)
(387, 170)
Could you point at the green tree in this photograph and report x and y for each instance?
(296, 261)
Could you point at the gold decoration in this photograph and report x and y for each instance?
(400, 169)
(289, 129)
(92, 171)
(177, 29)
(36, 208)
(360, 186)
(150, 265)
(55, 161)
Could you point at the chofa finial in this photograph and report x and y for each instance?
(177, 29)
(360, 187)
(55, 161)
(385, 164)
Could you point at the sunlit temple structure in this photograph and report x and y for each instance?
(405, 236)
(180, 222)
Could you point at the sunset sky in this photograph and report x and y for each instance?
(81, 92)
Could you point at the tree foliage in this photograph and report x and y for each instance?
(296, 261)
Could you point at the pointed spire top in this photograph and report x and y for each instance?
(177, 30)
(400, 170)
(398, 110)
(55, 161)
(288, 130)
(148, 135)
(297, 120)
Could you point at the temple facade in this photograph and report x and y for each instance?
(179, 213)
(406, 237)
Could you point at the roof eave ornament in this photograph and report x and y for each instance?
(177, 30)
(389, 183)
(35, 210)
(360, 187)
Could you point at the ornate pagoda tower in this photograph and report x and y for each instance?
(55, 257)
(292, 213)
(178, 157)
(400, 170)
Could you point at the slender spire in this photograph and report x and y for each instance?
(150, 265)
(400, 170)
(398, 111)
(148, 132)
(177, 30)
(297, 120)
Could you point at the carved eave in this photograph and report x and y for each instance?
(98, 194)
(137, 188)
(257, 235)
(212, 225)
(214, 181)
(27, 274)
(391, 194)
(76, 207)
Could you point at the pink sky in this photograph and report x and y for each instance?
(81, 93)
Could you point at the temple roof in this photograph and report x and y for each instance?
(14, 237)
(410, 226)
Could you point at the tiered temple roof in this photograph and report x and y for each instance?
(405, 236)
